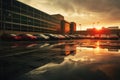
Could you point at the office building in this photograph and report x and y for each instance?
(17, 17)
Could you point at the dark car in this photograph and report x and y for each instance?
(41, 37)
(10, 37)
(61, 37)
(73, 36)
(52, 36)
(27, 37)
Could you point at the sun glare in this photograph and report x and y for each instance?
(98, 29)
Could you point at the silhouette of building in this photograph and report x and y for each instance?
(103, 31)
(113, 27)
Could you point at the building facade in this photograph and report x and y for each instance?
(65, 27)
(72, 27)
(58, 16)
(19, 17)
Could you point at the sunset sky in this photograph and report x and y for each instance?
(88, 13)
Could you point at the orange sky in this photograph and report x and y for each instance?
(88, 13)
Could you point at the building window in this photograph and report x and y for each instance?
(0, 3)
(7, 16)
(30, 28)
(23, 19)
(30, 21)
(16, 3)
(16, 18)
(30, 11)
(8, 26)
(23, 11)
(24, 28)
(1, 27)
(16, 27)
(16, 9)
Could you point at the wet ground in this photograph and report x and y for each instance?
(60, 60)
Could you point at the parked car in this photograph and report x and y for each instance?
(27, 37)
(67, 37)
(81, 36)
(96, 36)
(52, 36)
(61, 37)
(73, 36)
(41, 37)
(10, 37)
(78, 36)
(88, 36)
(104, 36)
(113, 36)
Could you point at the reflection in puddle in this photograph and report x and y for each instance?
(66, 60)
(71, 70)
(44, 45)
(70, 49)
(92, 60)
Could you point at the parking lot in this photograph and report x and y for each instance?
(56, 60)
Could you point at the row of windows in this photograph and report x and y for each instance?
(27, 10)
(15, 27)
(19, 5)
(10, 17)
(20, 13)
(9, 13)
(28, 23)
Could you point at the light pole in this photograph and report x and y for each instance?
(80, 26)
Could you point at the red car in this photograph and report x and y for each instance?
(9, 37)
(27, 37)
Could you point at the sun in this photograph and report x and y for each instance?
(98, 28)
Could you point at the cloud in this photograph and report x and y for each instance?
(89, 10)
(107, 8)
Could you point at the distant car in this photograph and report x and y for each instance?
(88, 36)
(81, 36)
(113, 36)
(67, 37)
(41, 37)
(73, 36)
(10, 37)
(27, 37)
(61, 37)
(96, 36)
(78, 36)
(103, 36)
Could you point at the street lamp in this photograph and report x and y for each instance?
(80, 26)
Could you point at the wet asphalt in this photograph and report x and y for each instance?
(60, 60)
